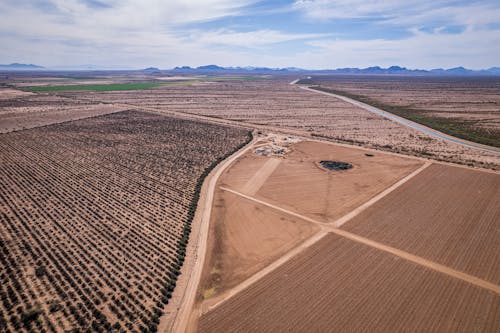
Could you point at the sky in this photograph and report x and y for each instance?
(311, 34)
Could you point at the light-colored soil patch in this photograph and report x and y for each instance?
(12, 93)
(244, 238)
(300, 185)
(446, 214)
(341, 285)
(260, 177)
(24, 118)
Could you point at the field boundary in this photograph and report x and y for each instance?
(339, 222)
(329, 228)
(198, 246)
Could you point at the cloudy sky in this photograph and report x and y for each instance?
(276, 33)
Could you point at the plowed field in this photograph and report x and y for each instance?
(94, 218)
(446, 214)
(340, 285)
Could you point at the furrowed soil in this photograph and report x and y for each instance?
(23, 110)
(341, 285)
(302, 185)
(446, 214)
(94, 218)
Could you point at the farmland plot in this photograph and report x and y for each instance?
(95, 217)
(20, 110)
(341, 285)
(447, 214)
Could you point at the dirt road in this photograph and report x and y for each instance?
(205, 208)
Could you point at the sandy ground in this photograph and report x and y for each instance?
(474, 98)
(277, 105)
(300, 185)
(7, 93)
(354, 288)
(36, 117)
(245, 238)
(252, 305)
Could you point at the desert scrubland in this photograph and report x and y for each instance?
(274, 103)
(100, 183)
(466, 107)
(95, 217)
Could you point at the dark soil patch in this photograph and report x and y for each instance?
(333, 165)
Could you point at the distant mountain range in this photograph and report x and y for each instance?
(263, 70)
(16, 66)
(368, 70)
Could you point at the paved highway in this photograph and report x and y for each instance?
(406, 122)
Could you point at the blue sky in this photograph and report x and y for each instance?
(293, 33)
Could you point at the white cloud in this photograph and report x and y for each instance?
(471, 48)
(409, 12)
(249, 39)
(134, 33)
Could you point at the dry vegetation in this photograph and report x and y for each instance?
(338, 284)
(95, 216)
(446, 214)
(20, 110)
(276, 104)
(468, 107)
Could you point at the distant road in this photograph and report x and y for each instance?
(406, 122)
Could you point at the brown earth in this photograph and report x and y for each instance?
(93, 215)
(27, 110)
(275, 104)
(341, 285)
(466, 98)
(299, 184)
(246, 236)
(446, 214)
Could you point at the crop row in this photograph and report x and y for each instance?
(95, 218)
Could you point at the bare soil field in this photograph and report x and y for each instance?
(340, 284)
(468, 107)
(95, 216)
(246, 237)
(21, 110)
(446, 214)
(300, 184)
(277, 104)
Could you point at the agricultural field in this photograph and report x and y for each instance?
(246, 236)
(465, 107)
(275, 105)
(22, 110)
(338, 283)
(95, 217)
(449, 215)
(397, 244)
